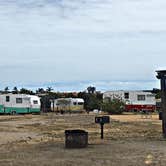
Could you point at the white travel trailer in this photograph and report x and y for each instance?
(67, 105)
(19, 103)
(134, 100)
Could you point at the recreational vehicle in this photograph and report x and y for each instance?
(19, 104)
(67, 105)
(134, 100)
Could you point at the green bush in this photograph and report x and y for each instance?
(114, 106)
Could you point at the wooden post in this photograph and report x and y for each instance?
(162, 76)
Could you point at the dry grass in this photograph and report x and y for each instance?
(34, 140)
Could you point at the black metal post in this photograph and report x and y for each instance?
(162, 76)
(102, 130)
(102, 120)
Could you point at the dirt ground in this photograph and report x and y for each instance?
(32, 140)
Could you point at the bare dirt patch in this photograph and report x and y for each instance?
(33, 140)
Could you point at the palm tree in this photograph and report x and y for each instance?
(49, 89)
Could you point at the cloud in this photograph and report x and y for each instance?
(68, 40)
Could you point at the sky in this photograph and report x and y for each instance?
(71, 44)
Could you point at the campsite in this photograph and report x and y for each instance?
(83, 83)
(129, 139)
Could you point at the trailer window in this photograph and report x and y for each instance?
(18, 100)
(80, 103)
(126, 95)
(35, 102)
(7, 98)
(74, 103)
(140, 97)
(150, 95)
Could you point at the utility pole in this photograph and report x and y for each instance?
(161, 74)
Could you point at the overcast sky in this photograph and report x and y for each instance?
(82, 40)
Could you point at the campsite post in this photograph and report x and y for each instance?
(161, 74)
(102, 120)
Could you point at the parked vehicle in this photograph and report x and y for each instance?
(67, 105)
(134, 100)
(19, 104)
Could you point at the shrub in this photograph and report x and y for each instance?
(114, 106)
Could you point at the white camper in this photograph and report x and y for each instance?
(19, 103)
(67, 105)
(134, 100)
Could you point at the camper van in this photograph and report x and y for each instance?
(67, 105)
(19, 104)
(134, 100)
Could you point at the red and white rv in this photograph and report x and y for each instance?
(134, 100)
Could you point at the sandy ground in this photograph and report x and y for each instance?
(32, 140)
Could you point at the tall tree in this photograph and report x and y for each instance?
(91, 89)
(49, 89)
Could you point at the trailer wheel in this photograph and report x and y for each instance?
(13, 113)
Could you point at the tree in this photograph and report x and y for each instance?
(26, 91)
(45, 103)
(40, 90)
(158, 95)
(91, 101)
(49, 89)
(15, 90)
(6, 90)
(91, 89)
